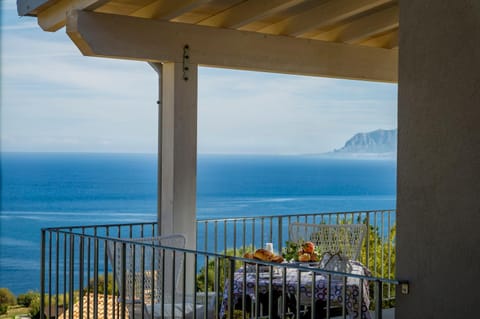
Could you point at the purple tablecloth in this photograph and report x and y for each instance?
(306, 281)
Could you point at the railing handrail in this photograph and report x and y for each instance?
(137, 243)
(295, 215)
(58, 228)
(223, 219)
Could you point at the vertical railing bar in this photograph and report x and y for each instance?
(344, 297)
(42, 275)
(298, 292)
(231, 273)
(95, 276)
(284, 292)
(312, 297)
(375, 266)
(224, 237)
(360, 296)
(382, 245)
(329, 292)
(57, 270)
(49, 271)
(280, 234)
(195, 284)
(80, 269)
(257, 299)
(254, 246)
(89, 247)
(244, 290)
(123, 280)
(217, 286)
(390, 273)
(378, 299)
(163, 283)
(271, 230)
(105, 278)
(215, 234)
(71, 275)
(142, 265)
(367, 240)
(262, 235)
(270, 291)
(174, 256)
(205, 303)
(65, 270)
(244, 234)
(153, 276)
(235, 237)
(114, 281)
(205, 237)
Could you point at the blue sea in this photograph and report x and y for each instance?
(63, 189)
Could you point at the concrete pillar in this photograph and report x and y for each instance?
(177, 150)
(438, 199)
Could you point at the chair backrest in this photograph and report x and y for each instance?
(152, 270)
(345, 239)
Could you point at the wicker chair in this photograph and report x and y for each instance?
(338, 244)
(151, 273)
(343, 239)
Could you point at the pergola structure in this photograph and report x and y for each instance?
(430, 47)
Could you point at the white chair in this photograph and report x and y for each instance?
(149, 274)
(343, 239)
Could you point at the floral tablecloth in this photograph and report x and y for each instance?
(355, 308)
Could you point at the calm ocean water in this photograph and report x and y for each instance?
(44, 190)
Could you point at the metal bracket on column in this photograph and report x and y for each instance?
(186, 61)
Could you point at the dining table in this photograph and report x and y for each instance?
(258, 283)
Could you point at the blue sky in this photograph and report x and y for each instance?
(53, 99)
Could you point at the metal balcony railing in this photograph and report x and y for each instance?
(79, 276)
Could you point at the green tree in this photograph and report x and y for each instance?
(101, 285)
(26, 298)
(215, 271)
(35, 306)
(7, 298)
(3, 309)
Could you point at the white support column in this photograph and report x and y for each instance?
(177, 150)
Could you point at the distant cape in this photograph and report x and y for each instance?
(376, 144)
(379, 141)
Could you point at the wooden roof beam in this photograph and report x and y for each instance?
(371, 25)
(387, 41)
(53, 18)
(150, 40)
(246, 12)
(324, 15)
(167, 9)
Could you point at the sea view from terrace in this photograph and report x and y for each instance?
(48, 190)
